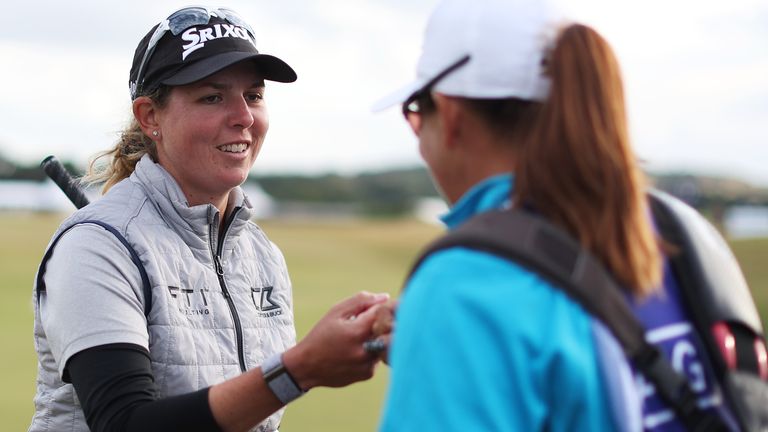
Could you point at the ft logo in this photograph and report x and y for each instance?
(265, 305)
(192, 302)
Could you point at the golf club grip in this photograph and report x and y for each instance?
(56, 171)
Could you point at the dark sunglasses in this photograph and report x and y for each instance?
(414, 103)
(178, 22)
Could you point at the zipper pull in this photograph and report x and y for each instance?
(218, 265)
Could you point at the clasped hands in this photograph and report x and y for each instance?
(346, 344)
(381, 330)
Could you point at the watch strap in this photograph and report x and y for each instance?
(279, 380)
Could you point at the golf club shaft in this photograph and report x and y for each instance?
(59, 174)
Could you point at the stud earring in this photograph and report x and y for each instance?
(155, 133)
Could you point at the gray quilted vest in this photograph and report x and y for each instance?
(199, 335)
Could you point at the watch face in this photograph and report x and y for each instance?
(280, 381)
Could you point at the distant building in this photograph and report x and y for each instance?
(746, 222)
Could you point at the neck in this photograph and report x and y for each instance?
(479, 163)
(470, 150)
(220, 203)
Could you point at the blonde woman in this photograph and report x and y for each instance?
(161, 306)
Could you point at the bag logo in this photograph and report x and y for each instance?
(680, 343)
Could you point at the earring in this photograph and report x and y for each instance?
(155, 133)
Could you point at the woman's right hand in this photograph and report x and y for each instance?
(383, 327)
(332, 353)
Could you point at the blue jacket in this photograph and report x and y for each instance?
(484, 344)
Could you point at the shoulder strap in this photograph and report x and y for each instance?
(40, 284)
(547, 250)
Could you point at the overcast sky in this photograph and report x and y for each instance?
(696, 73)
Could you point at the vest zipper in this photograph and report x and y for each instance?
(225, 291)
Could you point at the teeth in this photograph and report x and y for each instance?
(234, 148)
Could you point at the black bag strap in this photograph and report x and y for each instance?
(40, 284)
(549, 251)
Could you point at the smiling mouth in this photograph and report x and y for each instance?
(233, 148)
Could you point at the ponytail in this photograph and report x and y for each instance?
(577, 168)
(130, 148)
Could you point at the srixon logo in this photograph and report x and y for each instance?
(198, 37)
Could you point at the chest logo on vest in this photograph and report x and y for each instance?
(264, 303)
(191, 301)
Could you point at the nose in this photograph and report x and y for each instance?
(240, 114)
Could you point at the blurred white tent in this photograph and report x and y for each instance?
(33, 195)
(45, 196)
(263, 204)
(429, 209)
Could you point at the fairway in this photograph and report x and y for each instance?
(327, 261)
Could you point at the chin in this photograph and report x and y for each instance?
(235, 179)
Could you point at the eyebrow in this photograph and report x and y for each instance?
(222, 86)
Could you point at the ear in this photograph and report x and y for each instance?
(450, 113)
(145, 112)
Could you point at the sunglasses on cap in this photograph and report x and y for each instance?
(176, 23)
(414, 103)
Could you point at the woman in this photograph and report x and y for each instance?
(483, 343)
(195, 331)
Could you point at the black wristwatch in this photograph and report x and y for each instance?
(279, 380)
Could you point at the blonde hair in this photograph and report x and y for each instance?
(575, 164)
(129, 149)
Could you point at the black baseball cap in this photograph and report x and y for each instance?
(194, 43)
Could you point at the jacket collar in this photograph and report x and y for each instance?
(491, 193)
(166, 194)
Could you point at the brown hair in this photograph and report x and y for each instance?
(575, 164)
(129, 149)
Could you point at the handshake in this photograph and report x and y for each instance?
(381, 330)
(345, 345)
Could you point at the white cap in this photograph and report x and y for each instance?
(506, 41)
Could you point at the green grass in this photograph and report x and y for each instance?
(752, 255)
(327, 261)
(24, 238)
(330, 261)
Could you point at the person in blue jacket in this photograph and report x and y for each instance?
(513, 106)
